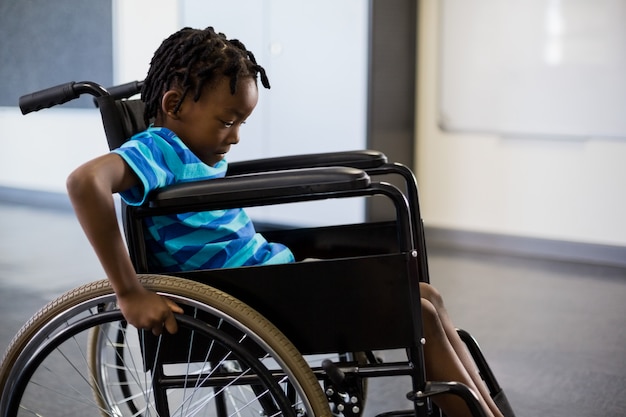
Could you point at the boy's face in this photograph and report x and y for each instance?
(211, 125)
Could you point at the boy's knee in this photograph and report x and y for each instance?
(429, 312)
(431, 294)
(430, 318)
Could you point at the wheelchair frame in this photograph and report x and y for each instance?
(352, 275)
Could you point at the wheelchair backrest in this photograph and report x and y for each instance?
(122, 117)
(131, 118)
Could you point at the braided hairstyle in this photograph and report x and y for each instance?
(190, 59)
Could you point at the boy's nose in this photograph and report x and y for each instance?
(233, 138)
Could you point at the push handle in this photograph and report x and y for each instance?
(49, 97)
(59, 94)
(125, 90)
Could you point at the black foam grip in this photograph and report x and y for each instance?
(125, 90)
(49, 97)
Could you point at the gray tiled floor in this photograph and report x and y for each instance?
(554, 333)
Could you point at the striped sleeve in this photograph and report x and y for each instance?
(143, 158)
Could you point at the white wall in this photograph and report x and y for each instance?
(317, 102)
(40, 149)
(571, 190)
(315, 54)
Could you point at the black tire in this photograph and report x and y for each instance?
(49, 362)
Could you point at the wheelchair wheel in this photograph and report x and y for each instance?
(225, 360)
(112, 345)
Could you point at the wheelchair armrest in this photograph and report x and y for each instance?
(361, 159)
(252, 189)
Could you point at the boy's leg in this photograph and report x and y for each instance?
(435, 300)
(443, 364)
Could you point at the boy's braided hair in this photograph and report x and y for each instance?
(191, 59)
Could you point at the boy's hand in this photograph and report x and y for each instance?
(147, 310)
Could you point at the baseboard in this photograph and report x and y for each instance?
(35, 198)
(436, 237)
(588, 253)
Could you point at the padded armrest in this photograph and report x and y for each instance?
(362, 159)
(244, 190)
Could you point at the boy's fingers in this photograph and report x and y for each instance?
(173, 306)
(170, 324)
(157, 329)
(170, 321)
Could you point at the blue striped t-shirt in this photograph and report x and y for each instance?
(191, 241)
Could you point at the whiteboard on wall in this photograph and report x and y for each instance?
(533, 67)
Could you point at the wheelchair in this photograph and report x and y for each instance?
(294, 340)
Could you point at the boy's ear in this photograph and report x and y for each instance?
(169, 101)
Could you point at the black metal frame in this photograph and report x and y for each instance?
(352, 279)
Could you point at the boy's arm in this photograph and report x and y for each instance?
(91, 187)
